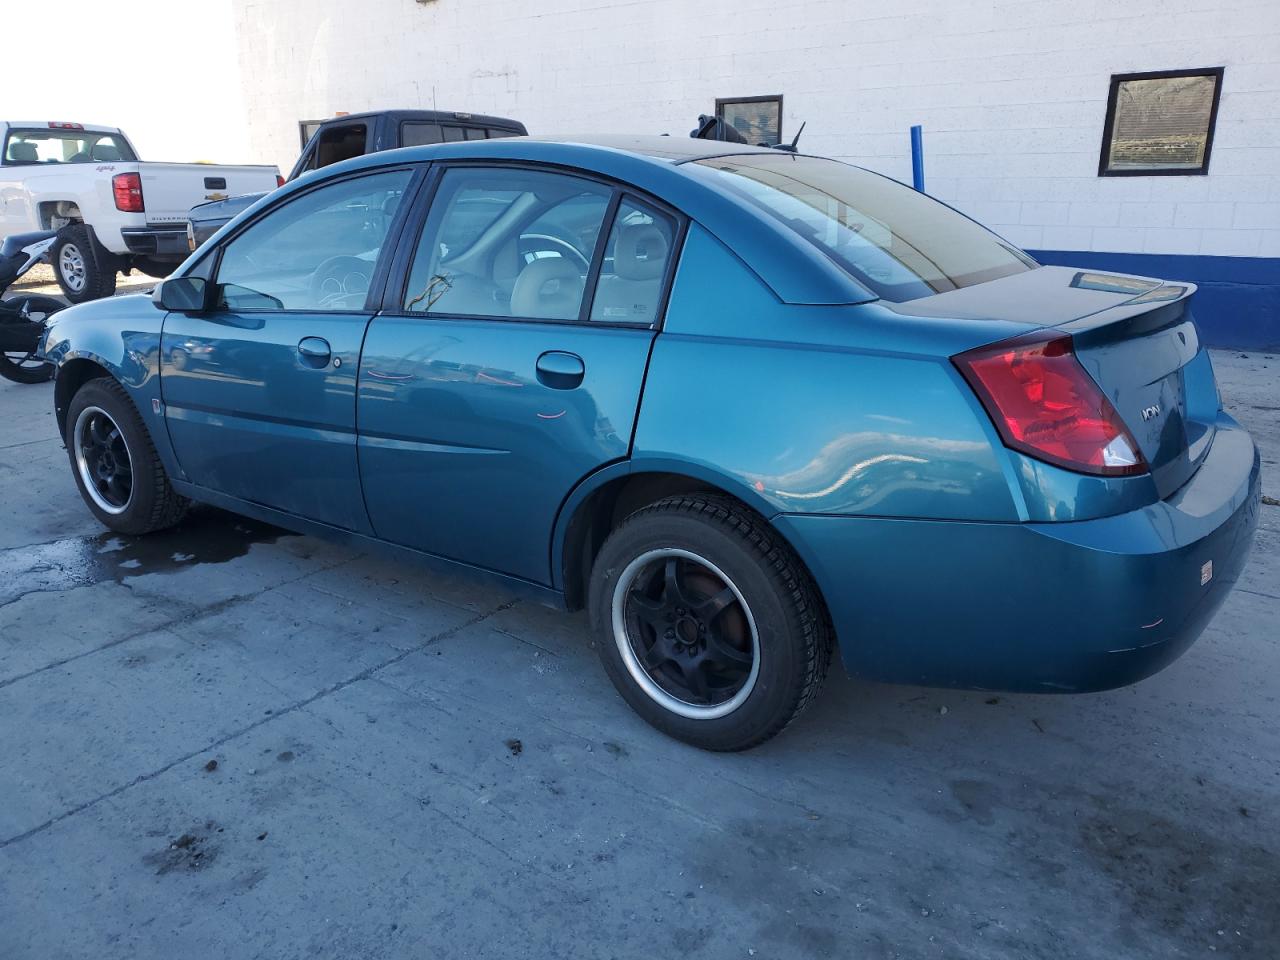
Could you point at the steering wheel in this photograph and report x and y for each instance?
(340, 278)
(534, 242)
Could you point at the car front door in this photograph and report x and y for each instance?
(512, 363)
(259, 392)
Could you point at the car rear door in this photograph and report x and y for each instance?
(499, 377)
(259, 392)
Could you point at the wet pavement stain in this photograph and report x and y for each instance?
(192, 851)
(205, 536)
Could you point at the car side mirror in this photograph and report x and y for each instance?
(183, 294)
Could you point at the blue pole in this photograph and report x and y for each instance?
(917, 157)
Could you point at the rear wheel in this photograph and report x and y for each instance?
(24, 366)
(708, 625)
(84, 268)
(115, 463)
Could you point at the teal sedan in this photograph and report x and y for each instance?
(743, 405)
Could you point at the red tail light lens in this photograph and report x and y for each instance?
(1045, 404)
(279, 180)
(127, 188)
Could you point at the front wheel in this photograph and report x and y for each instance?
(707, 624)
(115, 464)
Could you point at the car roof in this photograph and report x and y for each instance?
(431, 116)
(44, 125)
(679, 149)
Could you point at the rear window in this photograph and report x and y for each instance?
(65, 146)
(417, 133)
(900, 244)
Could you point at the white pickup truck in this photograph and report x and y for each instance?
(113, 213)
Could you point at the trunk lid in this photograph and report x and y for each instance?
(170, 190)
(1146, 356)
(1136, 338)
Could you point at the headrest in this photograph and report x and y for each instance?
(641, 252)
(23, 152)
(549, 288)
(105, 152)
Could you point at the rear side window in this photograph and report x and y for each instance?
(508, 243)
(635, 265)
(317, 252)
(418, 134)
(897, 242)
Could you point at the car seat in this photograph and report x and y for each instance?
(21, 152)
(549, 288)
(632, 293)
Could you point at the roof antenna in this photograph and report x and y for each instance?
(435, 108)
(791, 147)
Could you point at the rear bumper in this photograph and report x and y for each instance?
(162, 243)
(202, 230)
(1037, 607)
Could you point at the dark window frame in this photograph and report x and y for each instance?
(721, 102)
(1109, 123)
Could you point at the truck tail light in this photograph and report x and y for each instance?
(127, 188)
(55, 125)
(1045, 404)
(279, 181)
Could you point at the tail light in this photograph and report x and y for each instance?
(127, 188)
(1045, 404)
(279, 181)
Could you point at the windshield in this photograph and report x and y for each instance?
(65, 146)
(900, 244)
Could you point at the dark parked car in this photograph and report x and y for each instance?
(354, 135)
(742, 404)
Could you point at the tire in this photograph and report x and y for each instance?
(102, 419)
(743, 615)
(84, 268)
(27, 367)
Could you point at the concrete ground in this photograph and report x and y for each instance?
(229, 742)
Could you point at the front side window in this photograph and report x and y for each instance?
(898, 243)
(340, 143)
(317, 252)
(507, 243)
(1160, 123)
(65, 146)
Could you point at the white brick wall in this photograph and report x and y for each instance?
(1011, 93)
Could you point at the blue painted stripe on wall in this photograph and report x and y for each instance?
(1238, 301)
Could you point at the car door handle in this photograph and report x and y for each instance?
(560, 370)
(315, 350)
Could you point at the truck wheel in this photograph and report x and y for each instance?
(85, 270)
(707, 624)
(115, 464)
